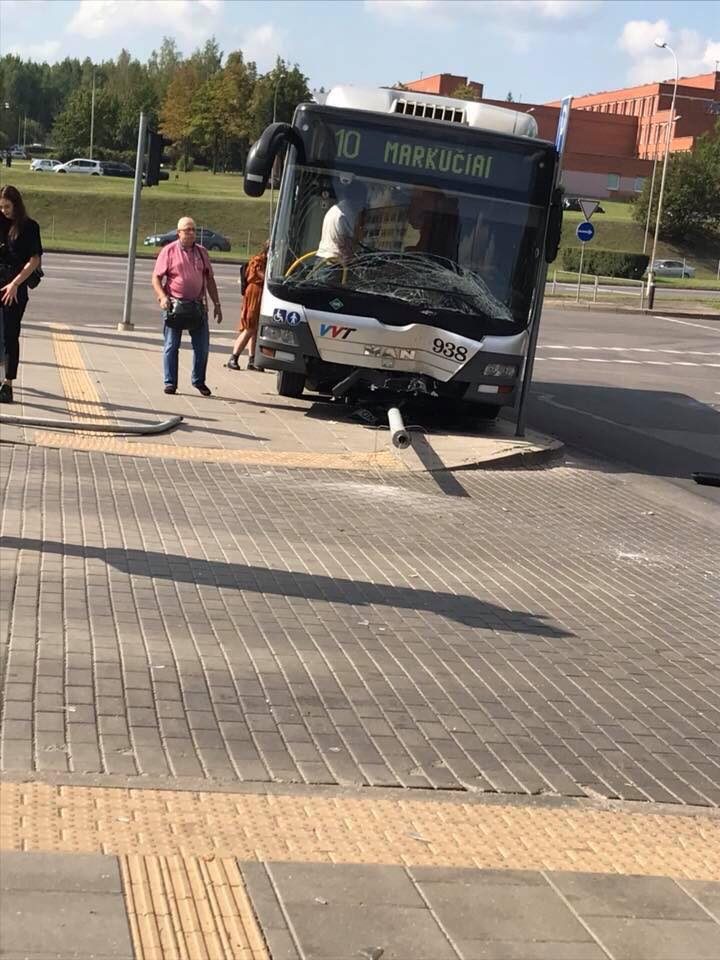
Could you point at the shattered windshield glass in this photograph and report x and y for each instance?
(439, 251)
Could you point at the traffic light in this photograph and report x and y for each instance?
(156, 145)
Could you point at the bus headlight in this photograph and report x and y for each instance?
(279, 335)
(500, 370)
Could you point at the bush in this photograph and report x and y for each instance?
(606, 263)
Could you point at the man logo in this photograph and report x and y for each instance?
(337, 333)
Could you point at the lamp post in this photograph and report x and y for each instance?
(92, 116)
(671, 120)
(277, 87)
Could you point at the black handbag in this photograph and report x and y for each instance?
(185, 315)
(35, 277)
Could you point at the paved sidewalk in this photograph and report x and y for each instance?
(320, 708)
(98, 375)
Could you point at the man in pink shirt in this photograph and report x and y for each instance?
(183, 273)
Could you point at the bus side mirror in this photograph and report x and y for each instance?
(554, 230)
(261, 156)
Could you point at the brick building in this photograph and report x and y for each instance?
(615, 136)
(697, 108)
(444, 85)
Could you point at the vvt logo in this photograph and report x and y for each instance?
(337, 333)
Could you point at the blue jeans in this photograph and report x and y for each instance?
(200, 339)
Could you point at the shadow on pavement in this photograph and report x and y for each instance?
(658, 432)
(265, 580)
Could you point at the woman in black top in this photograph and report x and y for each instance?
(20, 253)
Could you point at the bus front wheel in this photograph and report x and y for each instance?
(290, 384)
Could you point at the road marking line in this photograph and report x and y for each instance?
(641, 363)
(333, 828)
(687, 323)
(684, 353)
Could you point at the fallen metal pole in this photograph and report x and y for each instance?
(398, 434)
(162, 426)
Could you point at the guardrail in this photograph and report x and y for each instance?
(634, 288)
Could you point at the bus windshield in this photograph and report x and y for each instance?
(459, 246)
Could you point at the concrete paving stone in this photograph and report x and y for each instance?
(706, 893)
(643, 939)
(481, 910)
(626, 896)
(528, 950)
(345, 930)
(81, 925)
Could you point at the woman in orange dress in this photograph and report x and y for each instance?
(250, 310)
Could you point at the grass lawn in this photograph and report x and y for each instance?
(78, 212)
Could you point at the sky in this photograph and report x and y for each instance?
(539, 50)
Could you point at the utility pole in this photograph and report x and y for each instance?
(92, 117)
(652, 189)
(126, 323)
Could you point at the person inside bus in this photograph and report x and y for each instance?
(341, 223)
(436, 218)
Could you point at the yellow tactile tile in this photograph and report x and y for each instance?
(381, 460)
(83, 400)
(189, 908)
(380, 830)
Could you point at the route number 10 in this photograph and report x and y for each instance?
(348, 143)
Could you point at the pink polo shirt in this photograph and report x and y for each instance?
(185, 271)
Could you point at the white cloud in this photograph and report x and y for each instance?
(500, 11)
(397, 9)
(263, 44)
(695, 53)
(190, 19)
(46, 52)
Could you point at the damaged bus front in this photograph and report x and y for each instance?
(407, 252)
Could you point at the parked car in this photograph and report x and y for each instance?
(673, 268)
(208, 238)
(18, 153)
(573, 203)
(79, 165)
(113, 168)
(43, 163)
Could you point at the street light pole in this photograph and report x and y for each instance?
(277, 87)
(92, 117)
(652, 191)
(671, 121)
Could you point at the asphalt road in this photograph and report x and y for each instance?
(640, 391)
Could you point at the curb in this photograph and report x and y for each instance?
(139, 255)
(631, 311)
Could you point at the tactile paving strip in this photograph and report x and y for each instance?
(83, 400)
(382, 460)
(189, 908)
(340, 829)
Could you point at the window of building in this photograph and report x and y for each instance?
(613, 181)
(639, 184)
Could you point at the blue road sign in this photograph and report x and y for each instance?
(585, 231)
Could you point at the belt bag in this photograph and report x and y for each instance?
(185, 315)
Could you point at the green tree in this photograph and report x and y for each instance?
(465, 92)
(277, 93)
(162, 65)
(176, 115)
(71, 132)
(207, 60)
(691, 200)
(509, 98)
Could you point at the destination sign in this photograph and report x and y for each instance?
(389, 152)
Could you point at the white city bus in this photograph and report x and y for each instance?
(409, 247)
